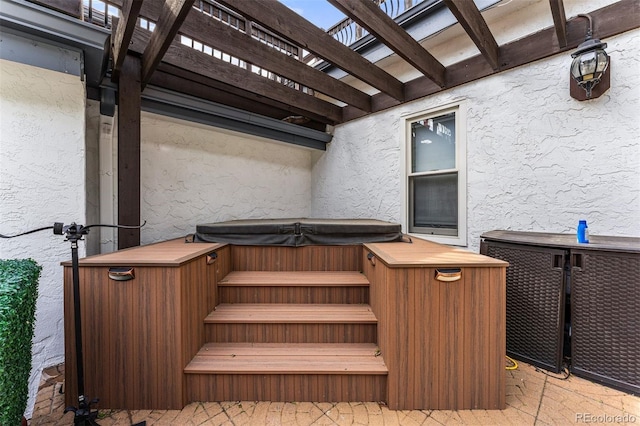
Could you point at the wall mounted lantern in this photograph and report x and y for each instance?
(590, 63)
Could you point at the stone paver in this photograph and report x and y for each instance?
(534, 397)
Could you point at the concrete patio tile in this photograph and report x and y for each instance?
(212, 408)
(259, 413)
(308, 412)
(533, 398)
(563, 405)
(446, 417)
(390, 417)
(341, 413)
(405, 418)
(360, 414)
(517, 417)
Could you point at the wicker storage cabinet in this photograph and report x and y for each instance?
(535, 302)
(601, 281)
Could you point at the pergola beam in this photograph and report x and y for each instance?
(388, 32)
(189, 59)
(122, 33)
(559, 21)
(468, 15)
(173, 14)
(235, 43)
(286, 23)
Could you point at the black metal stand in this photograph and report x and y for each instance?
(83, 414)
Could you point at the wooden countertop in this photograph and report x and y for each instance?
(568, 241)
(166, 253)
(422, 253)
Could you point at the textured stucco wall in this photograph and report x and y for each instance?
(42, 181)
(537, 160)
(191, 174)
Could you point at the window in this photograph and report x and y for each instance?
(436, 176)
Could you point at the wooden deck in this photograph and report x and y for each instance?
(318, 323)
(300, 358)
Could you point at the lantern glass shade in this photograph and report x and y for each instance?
(590, 61)
(589, 65)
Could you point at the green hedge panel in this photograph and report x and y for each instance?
(18, 295)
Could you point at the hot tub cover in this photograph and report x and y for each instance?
(299, 232)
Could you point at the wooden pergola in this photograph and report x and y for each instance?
(267, 35)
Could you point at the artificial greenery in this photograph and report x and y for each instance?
(18, 294)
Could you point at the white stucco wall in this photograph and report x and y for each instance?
(537, 160)
(192, 174)
(42, 181)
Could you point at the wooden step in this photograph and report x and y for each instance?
(294, 287)
(289, 313)
(287, 278)
(286, 372)
(288, 358)
(291, 323)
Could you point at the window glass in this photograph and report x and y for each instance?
(436, 203)
(433, 144)
(436, 176)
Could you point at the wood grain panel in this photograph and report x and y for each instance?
(291, 333)
(443, 342)
(308, 258)
(139, 335)
(247, 294)
(285, 387)
(129, 334)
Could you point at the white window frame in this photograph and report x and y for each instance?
(461, 168)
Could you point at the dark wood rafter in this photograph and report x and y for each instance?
(201, 27)
(369, 15)
(173, 14)
(468, 15)
(192, 60)
(559, 21)
(122, 33)
(197, 73)
(193, 84)
(286, 23)
(608, 21)
(68, 7)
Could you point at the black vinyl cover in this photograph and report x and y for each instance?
(299, 232)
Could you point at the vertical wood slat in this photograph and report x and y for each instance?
(443, 343)
(308, 258)
(290, 333)
(138, 335)
(286, 387)
(273, 294)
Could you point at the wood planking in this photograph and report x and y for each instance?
(269, 358)
(443, 343)
(286, 387)
(293, 294)
(166, 253)
(294, 287)
(422, 253)
(285, 313)
(130, 334)
(195, 300)
(308, 258)
(138, 335)
(291, 333)
(290, 278)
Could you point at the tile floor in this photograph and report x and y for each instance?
(534, 397)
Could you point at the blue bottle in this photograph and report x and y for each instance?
(583, 232)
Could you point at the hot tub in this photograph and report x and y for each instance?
(299, 232)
